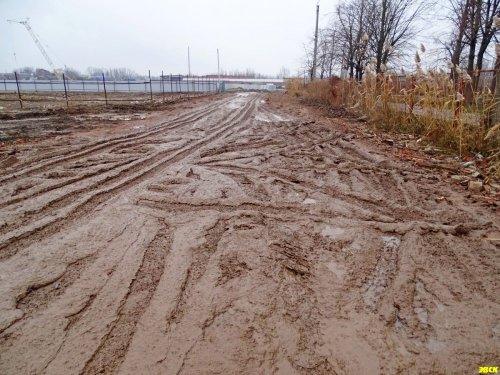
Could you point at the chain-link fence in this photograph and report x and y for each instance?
(100, 89)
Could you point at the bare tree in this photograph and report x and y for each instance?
(473, 22)
(116, 74)
(327, 50)
(364, 30)
(491, 9)
(393, 22)
(459, 16)
(474, 14)
(352, 35)
(284, 72)
(474, 30)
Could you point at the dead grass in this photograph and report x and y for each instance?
(427, 106)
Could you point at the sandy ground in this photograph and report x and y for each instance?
(240, 235)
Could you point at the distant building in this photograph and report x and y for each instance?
(177, 77)
(11, 76)
(44, 74)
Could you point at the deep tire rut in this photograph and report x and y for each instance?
(112, 350)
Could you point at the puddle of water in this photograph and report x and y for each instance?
(391, 243)
(403, 351)
(422, 314)
(398, 324)
(270, 118)
(234, 105)
(309, 201)
(439, 306)
(338, 269)
(496, 330)
(331, 232)
(355, 247)
(434, 345)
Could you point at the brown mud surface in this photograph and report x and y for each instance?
(241, 234)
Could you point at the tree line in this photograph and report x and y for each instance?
(112, 74)
(377, 35)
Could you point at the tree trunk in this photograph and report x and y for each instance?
(382, 36)
(455, 57)
(495, 89)
(475, 15)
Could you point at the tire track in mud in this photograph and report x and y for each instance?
(112, 350)
(101, 171)
(15, 241)
(101, 145)
(276, 285)
(196, 269)
(65, 183)
(320, 148)
(93, 174)
(39, 296)
(307, 186)
(359, 161)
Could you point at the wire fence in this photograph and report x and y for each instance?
(482, 80)
(104, 90)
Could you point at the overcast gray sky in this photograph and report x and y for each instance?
(263, 35)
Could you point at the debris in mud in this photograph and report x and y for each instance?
(349, 137)
(384, 270)
(475, 186)
(308, 122)
(461, 230)
(309, 201)
(331, 232)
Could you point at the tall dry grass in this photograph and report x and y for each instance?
(429, 105)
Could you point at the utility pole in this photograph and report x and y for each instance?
(313, 70)
(189, 63)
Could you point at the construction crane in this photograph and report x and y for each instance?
(28, 27)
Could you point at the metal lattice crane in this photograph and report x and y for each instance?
(26, 24)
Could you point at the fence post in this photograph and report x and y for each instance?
(18, 91)
(162, 88)
(104, 85)
(65, 91)
(34, 82)
(187, 86)
(150, 85)
(496, 93)
(83, 84)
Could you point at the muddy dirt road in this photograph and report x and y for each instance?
(237, 237)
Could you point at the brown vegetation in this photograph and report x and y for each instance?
(425, 105)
